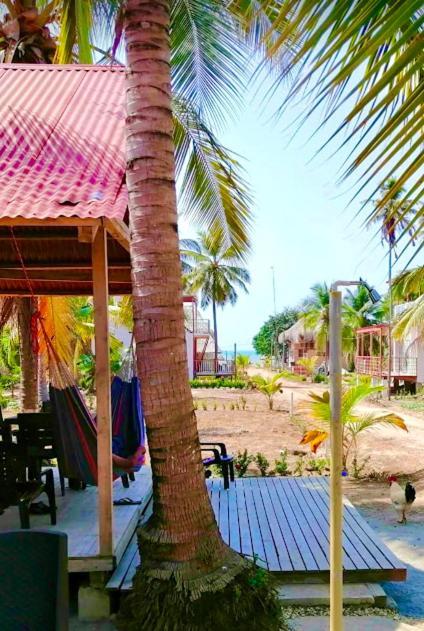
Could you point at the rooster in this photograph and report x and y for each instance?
(402, 498)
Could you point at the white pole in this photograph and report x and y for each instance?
(291, 405)
(336, 436)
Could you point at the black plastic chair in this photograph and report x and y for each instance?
(222, 458)
(16, 490)
(35, 436)
(34, 581)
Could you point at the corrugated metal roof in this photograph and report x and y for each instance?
(62, 141)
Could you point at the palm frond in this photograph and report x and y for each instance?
(213, 191)
(411, 321)
(208, 57)
(75, 26)
(370, 53)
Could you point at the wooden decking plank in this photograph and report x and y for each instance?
(129, 577)
(359, 554)
(320, 510)
(233, 523)
(362, 524)
(302, 544)
(277, 535)
(224, 526)
(305, 520)
(214, 495)
(365, 547)
(255, 531)
(357, 525)
(296, 560)
(245, 536)
(121, 571)
(263, 518)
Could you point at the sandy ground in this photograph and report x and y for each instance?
(256, 428)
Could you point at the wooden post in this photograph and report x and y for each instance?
(336, 437)
(104, 412)
(235, 361)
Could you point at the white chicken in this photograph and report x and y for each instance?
(402, 498)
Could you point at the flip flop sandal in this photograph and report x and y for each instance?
(126, 501)
(39, 508)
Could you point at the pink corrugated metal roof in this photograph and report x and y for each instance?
(62, 141)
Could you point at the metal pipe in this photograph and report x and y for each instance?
(336, 438)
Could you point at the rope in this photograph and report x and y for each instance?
(35, 316)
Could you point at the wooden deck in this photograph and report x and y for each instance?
(77, 516)
(284, 523)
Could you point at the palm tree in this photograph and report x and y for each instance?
(317, 409)
(189, 578)
(268, 387)
(211, 269)
(393, 217)
(316, 316)
(358, 311)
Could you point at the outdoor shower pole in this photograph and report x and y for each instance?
(336, 438)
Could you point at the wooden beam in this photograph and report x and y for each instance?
(85, 234)
(104, 410)
(55, 265)
(66, 275)
(49, 222)
(119, 231)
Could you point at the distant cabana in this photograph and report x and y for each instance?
(63, 211)
(300, 342)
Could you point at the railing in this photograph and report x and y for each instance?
(378, 366)
(221, 367)
(202, 327)
(198, 326)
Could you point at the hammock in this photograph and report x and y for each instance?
(76, 431)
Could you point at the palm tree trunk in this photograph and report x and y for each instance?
(181, 546)
(215, 334)
(28, 360)
(389, 337)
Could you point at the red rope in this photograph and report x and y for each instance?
(35, 316)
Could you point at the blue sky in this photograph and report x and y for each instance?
(304, 226)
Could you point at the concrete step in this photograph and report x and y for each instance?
(364, 594)
(351, 623)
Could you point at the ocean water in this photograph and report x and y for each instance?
(254, 357)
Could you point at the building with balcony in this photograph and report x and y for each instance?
(200, 341)
(406, 359)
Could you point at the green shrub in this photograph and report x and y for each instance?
(262, 462)
(239, 384)
(242, 462)
(318, 378)
(318, 464)
(281, 465)
(299, 467)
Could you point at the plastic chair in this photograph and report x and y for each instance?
(34, 581)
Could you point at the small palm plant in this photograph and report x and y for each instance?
(268, 387)
(318, 411)
(309, 364)
(242, 363)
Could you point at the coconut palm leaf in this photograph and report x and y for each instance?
(366, 58)
(207, 67)
(75, 28)
(317, 411)
(213, 191)
(409, 284)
